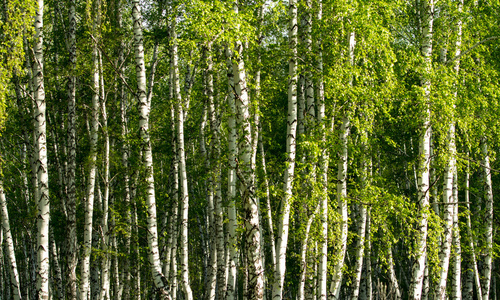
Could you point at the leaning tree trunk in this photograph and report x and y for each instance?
(284, 219)
(43, 216)
(426, 19)
(188, 293)
(144, 109)
(14, 275)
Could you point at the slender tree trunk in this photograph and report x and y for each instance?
(14, 275)
(43, 216)
(342, 189)
(246, 174)
(392, 276)
(488, 218)
(475, 272)
(72, 247)
(95, 270)
(449, 208)
(145, 108)
(173, 231)
(231, 178)
(360, 248)
(283, 225)
(105, 262)
(303, 253)
(456, 268)
(456, 285)
(57, 272)
(188, 294)
(211, 278)
(216, 180)
(426, 19)
(269, 216)
(368, 287)
(3, 281)
(323, 168)
(89, 207)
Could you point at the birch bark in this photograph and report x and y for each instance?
(456, 280)
(188, 294)
(89, 207)
(323, 168)
(487, 264)
(456, 268)
(72, 247)
(231, 178)
(14, 275)
(426, 18)
(303, 252)
(43, 216)
(145, 108)
(472, 244)
(282, 240)
(105, 260)
(342, 189)
(246, 174)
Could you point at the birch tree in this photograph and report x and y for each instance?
(284, 216)
(43, 216)
(85, 290)
(180, 113)
(71, 174)
(14, 274)
(426, 19)
(246, 175)
(144, 109)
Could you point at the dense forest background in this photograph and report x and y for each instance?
(252, 149)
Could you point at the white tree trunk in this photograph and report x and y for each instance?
(145, 108)
(366, 287)
(269, 216)
(231, 178)
(449, 208)
(342, 190)
(89, 207)
(392, 276)
(303, 253)
(217, 169)
(360, 248)
(246, 173)
(488, 218)
(283, 221)
(14, 275)
(472, 238)
(105, 262)
(173, 231)
(323, 167)
(42, 197)
(188, 294)
(456, 268)
(456, 284)
(72, 248)
(57, 273)
(426, 19)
